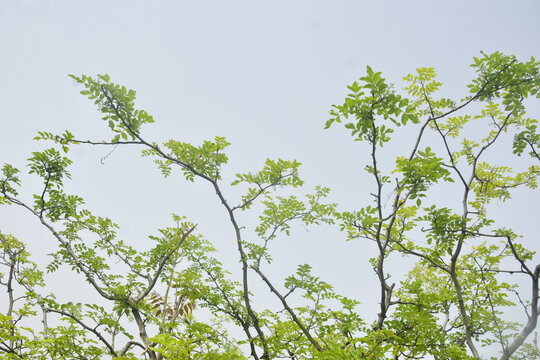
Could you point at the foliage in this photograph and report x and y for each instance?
(177, 301)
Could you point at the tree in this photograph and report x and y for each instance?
(450, 305)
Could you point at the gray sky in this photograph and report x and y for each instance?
(262, 74)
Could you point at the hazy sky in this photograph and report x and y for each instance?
(262, 74)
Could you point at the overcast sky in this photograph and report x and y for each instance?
(262, 74)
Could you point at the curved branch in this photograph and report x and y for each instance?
(289, 310)
(86, 327)
(152, 282)
(78, 263)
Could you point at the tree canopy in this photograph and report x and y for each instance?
(178, 301)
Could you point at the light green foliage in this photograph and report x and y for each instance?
(369, 99)
(274, 174)
(177, 300)
(116, 103)
(9, 181)
(529, 136)
(453, 301)
(504, 77)
(420, 172)
(184, 347)
(422, 86)
(278, 214)
(206, 159)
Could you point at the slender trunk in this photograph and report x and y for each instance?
(11, 300)
(531, 323)
(142, 332)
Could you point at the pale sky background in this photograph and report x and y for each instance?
(262, 74)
